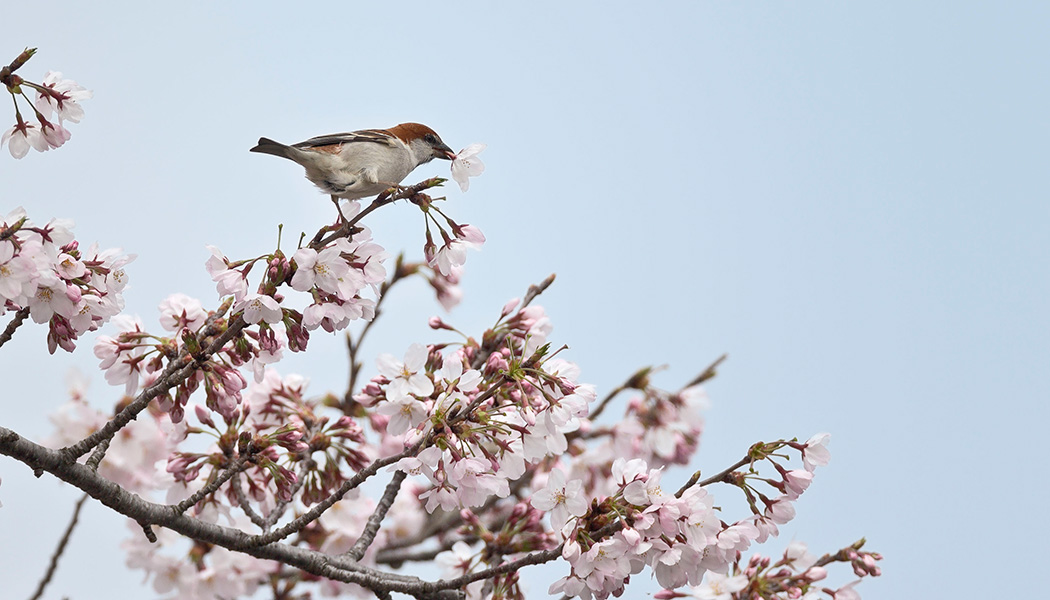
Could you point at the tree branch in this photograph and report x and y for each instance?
(120, 500)
(372, 526)
(17, 321)
(60, 549)
(347, 229)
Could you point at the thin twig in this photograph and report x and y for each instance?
(708, 373)
(396, 559)
(60, 549)
(372, 526)
(319, 508)
(213, 485)
(714, 479)
(536, 290)
(18, 319)
(605, 401)
(842, 555)
(96, 457)
(244, 503)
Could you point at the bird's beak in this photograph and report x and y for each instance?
(446, 152)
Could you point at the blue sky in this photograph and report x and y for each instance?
(848, 198)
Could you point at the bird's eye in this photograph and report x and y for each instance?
(430, 139)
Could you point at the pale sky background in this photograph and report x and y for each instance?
(848, 198)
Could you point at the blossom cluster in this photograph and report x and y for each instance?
(57, 101)
(679, 536)
(334, 277)
(484, 415)
(44, 271)
(794, 577)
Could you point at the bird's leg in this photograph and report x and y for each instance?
(338, 209)
(392, 188)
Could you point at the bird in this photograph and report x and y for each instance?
(362, 163)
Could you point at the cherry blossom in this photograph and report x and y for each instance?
(563, 499)
(260, 307)
(406, 378)
(720, 587)
(405, 413)
(467, 165)
(62, 96)
(816, 453)
(179, 311)
(453, 253)
(326, 269)
(228, 281)
(23, 136)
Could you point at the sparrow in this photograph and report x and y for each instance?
(362, 163)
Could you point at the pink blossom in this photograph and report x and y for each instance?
(847, 592)
(228, 281)
(467, 165)
(178, 311)
(260, 307)
(563, 499)
(474, 483)
(52, 297)
(69, 268)
(675, 564)
(720, 587)
(17, 272)
(440, 496)
(625, 471)
(54, 134)
(816, 453)
(796, 482)
(780, 511)
(647, 492)
(406, 378)
(64, 98)
(327, 270)
(457, 561)
(405, 413)
(453, 253)
(798, 558)
(121, 360)
(23, 136)
(446, 286)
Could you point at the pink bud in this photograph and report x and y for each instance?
(509, 307)
(203, 415)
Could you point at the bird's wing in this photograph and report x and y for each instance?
(332, 141)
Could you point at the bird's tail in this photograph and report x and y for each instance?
(268, 146)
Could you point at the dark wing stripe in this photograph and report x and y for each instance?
(380, 136)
